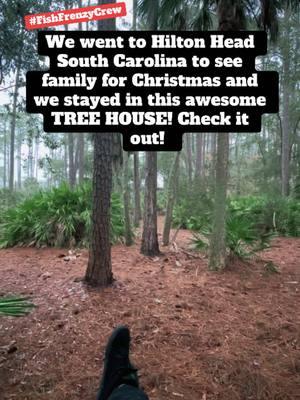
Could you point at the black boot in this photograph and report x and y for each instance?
(117, 367)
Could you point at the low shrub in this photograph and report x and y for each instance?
(57, 217)
(243, 239)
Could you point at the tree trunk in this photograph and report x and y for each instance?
(229, 13)
(65, 158)
(99, 270)
(136, 160)
(213, 147)
(13, 129)
(5, 156)
(172, 186)
(137, 189)
(189, 157)
(149, 245)
(72, 169)
(238, 166)
(19, 161)
(80, 142)
(36, 157)
(149, 238)
(126, 200)
(217, 256)
(285, 141)
(81, 158)
(199, 144)
(30, 159)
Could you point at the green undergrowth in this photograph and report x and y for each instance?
(251, 221)
(57, 217)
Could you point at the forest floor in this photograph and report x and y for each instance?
(196, 335)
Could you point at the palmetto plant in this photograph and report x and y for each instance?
(203, 14)
(15, 306)
(57, 217)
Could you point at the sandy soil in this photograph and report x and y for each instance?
(195, 335)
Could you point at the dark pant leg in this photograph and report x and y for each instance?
(126, 392)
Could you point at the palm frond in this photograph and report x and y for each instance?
(179, 21)
(144, 8)
(15, 306)
(169, 7)
(202, 17)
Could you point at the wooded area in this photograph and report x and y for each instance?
(197, 250)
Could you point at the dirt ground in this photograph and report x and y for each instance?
(195, 335)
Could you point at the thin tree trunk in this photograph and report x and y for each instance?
(149, 245)
(30, 159)
(137, 189)
(238, 166)
(19, 162)
(136, 160)
(13, 128)
(217, 257)
(189, 157)
(172, 186)
(99, 269)
(81, 158)
(65, 157)
(36, 158)
(80, 142)
(72, 170)
(5, 156)
(199, 143)
(70, 136)
(285, 141)
(126, 200)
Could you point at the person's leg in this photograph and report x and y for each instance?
(126, 392)
(119, 380)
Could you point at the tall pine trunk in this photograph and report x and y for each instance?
(229, 14)
(80, 142)
(80, 145)
(136, 160)
(217, 256)
(13, 128)
(172, 186)
(189, 157)
(137, 189)
(19, 161)
(99, 269)
(5, 156)
(285, 140)
(149, 246)
(72, 169)
(199, 158)
(126, 200)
